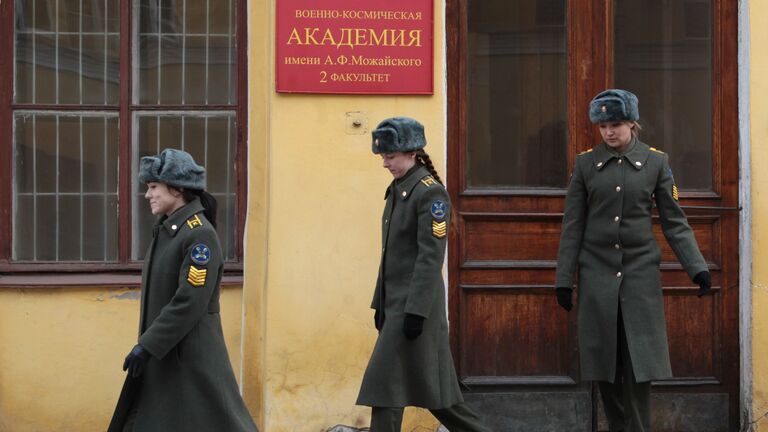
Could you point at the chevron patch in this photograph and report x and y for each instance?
(439, 229)
(675, 193)
(196, 276)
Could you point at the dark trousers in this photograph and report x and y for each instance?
(458, 418)
(627, 403)
(130, 420)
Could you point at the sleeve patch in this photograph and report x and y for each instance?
(675, 192)
(196, 276)
(201, 254)
(438, 210)
(439, 229)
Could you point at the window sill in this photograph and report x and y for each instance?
(69, 280)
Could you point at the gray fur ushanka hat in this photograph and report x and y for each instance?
(173, 167)
(398, 134)
(614, 105)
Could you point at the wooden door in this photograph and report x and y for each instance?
(521, 75)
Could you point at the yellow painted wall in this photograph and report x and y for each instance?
(758, 87)
(63, 349)
(312, 241)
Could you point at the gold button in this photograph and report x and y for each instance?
(405, 193)
(618, 274)
(618, 188)
(616, 219)
(617, 246)
(638, 163)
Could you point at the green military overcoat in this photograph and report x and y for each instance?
(188, 384)
(417, 372)
(607, 237)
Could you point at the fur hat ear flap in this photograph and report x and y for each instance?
(614, 105)
(398, 134)
(384, 140)
(173, 167)
(149, 169)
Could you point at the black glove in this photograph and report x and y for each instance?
(413, 326)
(135, 361)
(704, 279)
(376, 320)
(564, 297)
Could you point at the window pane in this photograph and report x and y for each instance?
(65, 206)
(210, 138)
(664, 55)
(67, 52)
(185, 52)
(516, 90)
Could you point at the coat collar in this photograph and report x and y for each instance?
(636, 154)
(174, 222)
(407, 182)
(404, 186)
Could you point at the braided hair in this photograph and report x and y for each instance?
(423, 158)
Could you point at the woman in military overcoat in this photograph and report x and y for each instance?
(411, 363)
(607, 236)
(179, 374)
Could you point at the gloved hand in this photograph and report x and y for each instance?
(704, 279)
(413, 325)
(135, 361)
(376, 320)
(564, 297)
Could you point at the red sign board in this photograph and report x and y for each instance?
(354, 46)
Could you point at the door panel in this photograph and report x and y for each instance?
(496, 239)
(512, 141)
(517, 349)
(521, 75)
(692, 335)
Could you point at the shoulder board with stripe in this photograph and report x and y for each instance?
(194, 221)
(656, 150)
(429, 181)
(584, 152)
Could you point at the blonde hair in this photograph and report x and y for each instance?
(636, 128)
